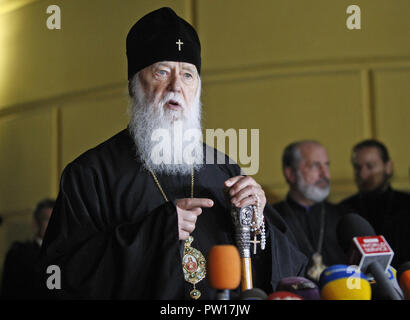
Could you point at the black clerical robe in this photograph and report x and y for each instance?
(389, 214)
(305, 224)
(114, 237)
(21, 278)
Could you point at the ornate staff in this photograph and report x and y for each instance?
(246, 220)
(242, 219)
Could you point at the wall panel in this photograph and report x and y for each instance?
(239, 34)
(26, 149)
(88, 121)
(392, 114)
(323, 106)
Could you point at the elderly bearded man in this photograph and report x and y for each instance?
(122, 217)
(312, 219)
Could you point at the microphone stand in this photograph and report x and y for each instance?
(381, 280)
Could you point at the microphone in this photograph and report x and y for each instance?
(352, 225)
(403, 274)
(379, 294)
(224, 270)
(284, 295)
(342, 282)
(370, 252)
(253, 294)
(300, 286)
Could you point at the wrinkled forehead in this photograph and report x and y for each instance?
(312, 152)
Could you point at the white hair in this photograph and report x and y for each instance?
(146, 118)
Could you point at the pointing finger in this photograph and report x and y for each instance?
(191, 203)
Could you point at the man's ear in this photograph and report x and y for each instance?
(388, 167)
(290, 175)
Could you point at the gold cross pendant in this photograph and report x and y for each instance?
(255, 242)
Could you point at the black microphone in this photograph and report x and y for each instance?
(352, 225)
(253, 294)
(371, 253)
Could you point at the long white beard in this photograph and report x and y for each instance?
(148, 119)
(310, 191)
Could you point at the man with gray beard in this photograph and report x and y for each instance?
(151, 120)
(312, 219)
(137, 215)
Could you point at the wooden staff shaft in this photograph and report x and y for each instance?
(246, 269)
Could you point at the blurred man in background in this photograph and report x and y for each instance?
(312, 219)
(386, 209)
(20, 273)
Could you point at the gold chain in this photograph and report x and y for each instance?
(162, 190)
(199, 273)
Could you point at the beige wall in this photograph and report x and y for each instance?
(289, 68)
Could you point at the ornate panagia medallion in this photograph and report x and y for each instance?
(194, 266)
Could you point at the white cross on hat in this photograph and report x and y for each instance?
(179, 43)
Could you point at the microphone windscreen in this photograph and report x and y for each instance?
(284, 295)
(253, 294)
(342, 282)
(403, 276)
(224, 267)
(402, 269)
(352, 225)
(300, 286)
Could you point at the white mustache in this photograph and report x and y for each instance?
(177, 97)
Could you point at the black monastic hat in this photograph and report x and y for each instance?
(161, 36)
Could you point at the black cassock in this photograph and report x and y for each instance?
(21, 279)
(113, 236)
(389, 214)
(306, 224)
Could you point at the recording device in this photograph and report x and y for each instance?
(253, 294)
(342, 282)
(284, 295)
(300, 286)
(370, 252)
(403, 274)
(224, 270)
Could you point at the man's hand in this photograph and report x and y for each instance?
(188, 210)
(243, 189)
